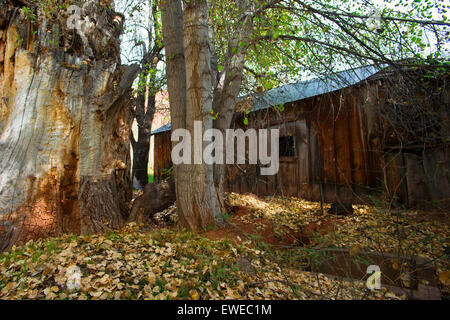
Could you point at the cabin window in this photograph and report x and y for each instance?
(287, 146)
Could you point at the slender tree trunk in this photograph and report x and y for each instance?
(229, 83)
(145, 101)
(145, 109)
(64, 128)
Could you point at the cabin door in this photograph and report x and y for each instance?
(298, 146)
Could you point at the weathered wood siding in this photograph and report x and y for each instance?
(162, 158)
(330, 149)
(339, 154)
(419, 179)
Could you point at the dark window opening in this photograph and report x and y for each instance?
(287, 146)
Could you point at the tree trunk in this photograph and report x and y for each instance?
(229, 83)
(145, 109)
(64, 127)
(200, 195)
(172, 27)
(190, 85)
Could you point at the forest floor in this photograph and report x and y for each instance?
(265, 251)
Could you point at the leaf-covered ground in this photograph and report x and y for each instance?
(424, 234)
(406, 233)
(169, 263)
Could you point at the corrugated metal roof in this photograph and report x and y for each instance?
(310, 88)
(164, 128)
(304, 89)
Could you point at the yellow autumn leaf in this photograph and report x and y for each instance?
(194, 295)
(395, 265)
(205, 268)
(151, 278)
(444, 277)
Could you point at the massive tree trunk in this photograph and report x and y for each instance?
(190, 85)
(64, 126)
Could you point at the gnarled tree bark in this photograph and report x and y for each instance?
(64, 126)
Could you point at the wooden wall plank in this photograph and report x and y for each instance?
(359, 163)
(342, 143)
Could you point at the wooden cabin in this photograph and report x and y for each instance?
(336, 143)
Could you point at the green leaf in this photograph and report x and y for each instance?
(276, 34)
